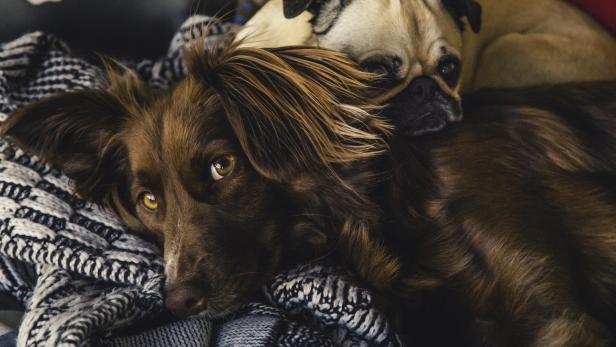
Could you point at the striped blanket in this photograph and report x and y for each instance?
(84, 280)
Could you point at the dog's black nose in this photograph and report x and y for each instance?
(185, 301)
(388, 66)
(423, 89)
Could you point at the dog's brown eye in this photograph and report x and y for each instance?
(222, 166)
(149, 201)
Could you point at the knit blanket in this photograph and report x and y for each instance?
(84, 279)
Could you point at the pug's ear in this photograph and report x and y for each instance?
(472, 11)
(466, 8)
(293, 8)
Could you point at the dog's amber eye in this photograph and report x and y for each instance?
(150, 201)
(222, 166)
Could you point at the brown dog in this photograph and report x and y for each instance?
(232, 169)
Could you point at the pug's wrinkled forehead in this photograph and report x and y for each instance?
(400, 40)
(326, 11)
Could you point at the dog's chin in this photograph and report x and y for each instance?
(229, 303)
(216, 313)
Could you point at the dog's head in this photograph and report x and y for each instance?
(217, 167)
(414, 44)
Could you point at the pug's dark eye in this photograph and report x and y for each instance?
(449, 69)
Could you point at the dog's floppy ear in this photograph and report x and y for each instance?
(466, 8)
(77, 132)
(292, 109)
(293, 8)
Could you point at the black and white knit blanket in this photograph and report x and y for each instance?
(82, 277)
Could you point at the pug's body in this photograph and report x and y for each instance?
(455, 46)
(532, 42)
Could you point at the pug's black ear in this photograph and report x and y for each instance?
(473, 13)
(293, 8)
(466, 8)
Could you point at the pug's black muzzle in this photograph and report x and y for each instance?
(422, 108)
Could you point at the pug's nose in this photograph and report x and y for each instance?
(387, 66)
(423, 89)
(185, 301)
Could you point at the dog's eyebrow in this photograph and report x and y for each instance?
(146, 178)
(210, 148)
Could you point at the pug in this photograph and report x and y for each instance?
(437, 50)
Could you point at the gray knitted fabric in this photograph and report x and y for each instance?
(192, 332)
(81, 276)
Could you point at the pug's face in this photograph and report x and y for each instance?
(414, 44)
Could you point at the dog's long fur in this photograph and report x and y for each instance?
(287, 118)
(514, 211)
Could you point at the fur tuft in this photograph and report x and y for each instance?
(312, 105)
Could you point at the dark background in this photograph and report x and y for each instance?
(143, 28)
(121, 28)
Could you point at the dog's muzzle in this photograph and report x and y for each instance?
(422, 108)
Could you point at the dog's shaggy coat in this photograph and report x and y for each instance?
(514, 212)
